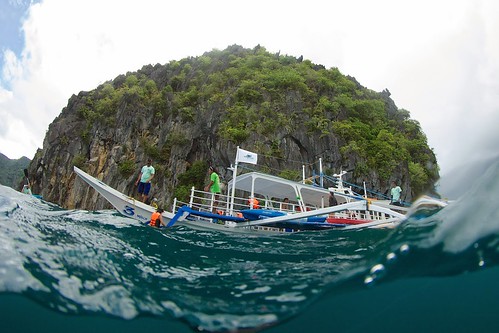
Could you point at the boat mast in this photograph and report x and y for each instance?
(233, 190)
(321, 175)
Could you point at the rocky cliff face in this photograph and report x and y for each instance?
(200, 109)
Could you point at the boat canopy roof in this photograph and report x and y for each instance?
(270, 186)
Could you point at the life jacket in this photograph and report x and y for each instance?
(255, 203)
(155, 220)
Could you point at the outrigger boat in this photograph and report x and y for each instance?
(305, 208)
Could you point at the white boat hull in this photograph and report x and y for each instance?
(124, 204)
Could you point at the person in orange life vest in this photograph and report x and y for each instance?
(253, 203)
(157, 219)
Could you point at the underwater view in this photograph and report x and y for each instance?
(81, 271)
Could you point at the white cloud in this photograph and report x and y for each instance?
(12, 68)
(438, 59)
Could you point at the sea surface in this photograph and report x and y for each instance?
(97, 271)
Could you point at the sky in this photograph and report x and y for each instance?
(438, 58)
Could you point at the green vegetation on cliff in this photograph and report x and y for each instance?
(264, 98)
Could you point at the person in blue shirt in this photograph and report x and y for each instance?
(395, 194)
(144, 180)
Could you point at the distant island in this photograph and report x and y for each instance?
(11, 171)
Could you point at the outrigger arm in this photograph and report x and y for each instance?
(185, 211)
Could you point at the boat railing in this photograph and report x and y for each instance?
(210, 202)
(221, 203)
(280, 205)
(356, 189)
(361, 215)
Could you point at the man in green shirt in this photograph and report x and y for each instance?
(214, 186)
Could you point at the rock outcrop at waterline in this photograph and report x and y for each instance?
(194, 112)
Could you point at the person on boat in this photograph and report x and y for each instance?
(253, 203)
(157, 219)
(26, 189)
(395, 194)
(144, 180)
(332, 200)
(214, 187)
(285, 204)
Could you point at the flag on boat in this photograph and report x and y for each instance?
(246, 156)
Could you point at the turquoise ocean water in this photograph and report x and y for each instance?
(79, 271)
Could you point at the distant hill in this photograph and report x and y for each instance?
(11, 171)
